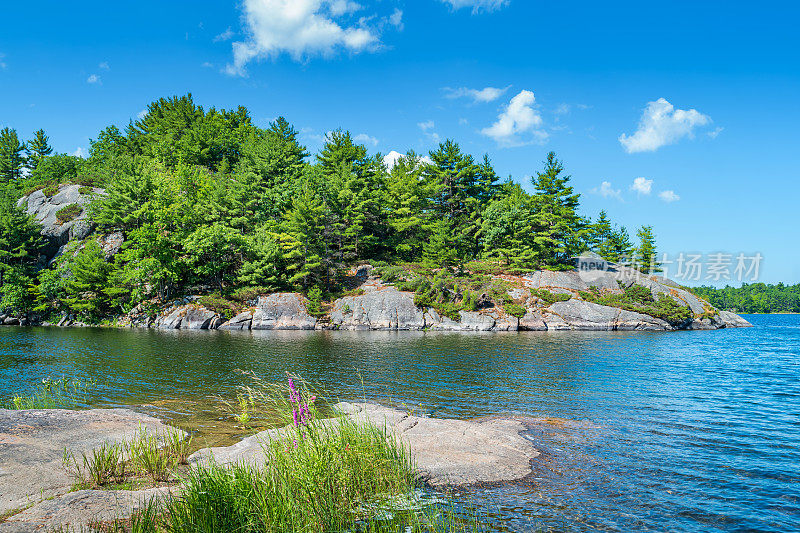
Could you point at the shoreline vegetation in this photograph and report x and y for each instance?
(321, 471)
(189, 201)
(754, 298)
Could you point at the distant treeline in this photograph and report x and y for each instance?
(754, 298)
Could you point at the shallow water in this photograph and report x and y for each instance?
(685, 431)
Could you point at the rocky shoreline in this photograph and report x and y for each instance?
(380, 306)
(37, 496)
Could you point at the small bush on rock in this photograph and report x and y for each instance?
(68, 213)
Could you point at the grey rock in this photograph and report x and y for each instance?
(197, 318)
(386, 308)
(532, 321)
(111, 244)
(282, 311)
(32, 443)
(44, 209)
(79, 510)
(239, 322)
(582, 315)
(173, 320)
(474, 321)
(732, 320)
(447, 452)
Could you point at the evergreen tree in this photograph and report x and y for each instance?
(301, 237)
(407, 205)
(20, 240)
(37, 149)
(263, 264)
(90, 277)
(11, 158)
(440, 251)
(508, 229)
(559, 229)
(645, 259)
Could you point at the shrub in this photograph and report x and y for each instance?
(50, 189)
(85, 190)
(515, 310)
(219, 305)
(314, 306)
(248, 294)
(68, 213)
(549, 298)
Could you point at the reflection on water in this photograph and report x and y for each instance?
(640, 431)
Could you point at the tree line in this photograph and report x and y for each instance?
(208, 201)
(754, 298)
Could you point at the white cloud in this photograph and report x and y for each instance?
(94, 78)
(487, 94)
(227, 35)
(104, 66)
(669, 196)
(342, 7)
(391, 159)
(396, 19)
(478, 5)
(79, 152)
(661, 124)
(141, 114)
(642, 186)
(518, 117)
(207, 64)
(363, 138)
(463, 122)
(607, 191)
(713, 134)
(301, 29)
(427, 125)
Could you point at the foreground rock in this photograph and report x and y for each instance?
(447, 452)
(32, 445)
(79, 510)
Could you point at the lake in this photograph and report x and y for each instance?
(640, 431)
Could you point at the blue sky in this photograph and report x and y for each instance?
(697, 99)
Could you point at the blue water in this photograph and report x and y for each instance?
(684, 431)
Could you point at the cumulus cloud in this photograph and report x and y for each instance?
(104, 66)
(301, 29)
(487, 94)
(669, 196)
(607, 191)
(478, 5)
(427, 125)
(79, 152)
(363, 138)
(518, 118)
(714, 133)
(141, 114)
(391, 159)
(642, 186)
(93, 78)
(661, 124)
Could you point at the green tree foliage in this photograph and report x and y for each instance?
(645, 259)
(11, 157)
(207, 201)
(86, 288)
(37, 149)
(559, 228)
(754, 298)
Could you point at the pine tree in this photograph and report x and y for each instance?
(37, 149)
(305, 251)
(441, 250)
(645, 259)
(11, 158)
(508, 229)
(263, 264)
(407, 205)
(90, 277)
(559, 229)
(20, 240)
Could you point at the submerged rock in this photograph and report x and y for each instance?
(32, 444)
